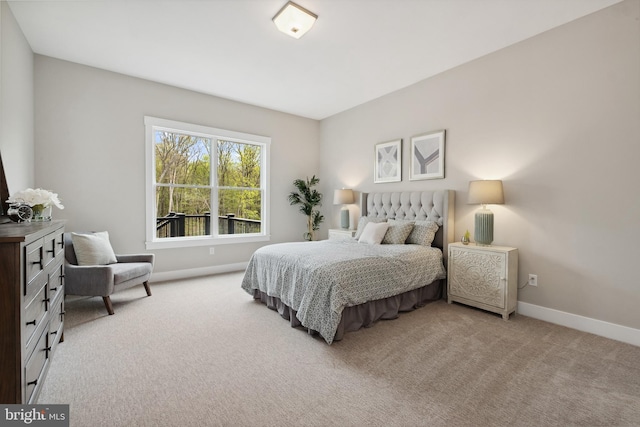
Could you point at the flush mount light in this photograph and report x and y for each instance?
(294, 20)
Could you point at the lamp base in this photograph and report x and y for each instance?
(483, 233)
(344, 218)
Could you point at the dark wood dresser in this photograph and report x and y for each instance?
(31, 306)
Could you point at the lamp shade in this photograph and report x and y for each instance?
(343, 197)
(294, 20)
(487, 192)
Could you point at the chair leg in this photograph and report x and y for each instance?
(146, 288)
(107, 303)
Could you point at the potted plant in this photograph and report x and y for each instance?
(308, 198)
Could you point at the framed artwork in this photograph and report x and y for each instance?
(388, 162)
(427, 156)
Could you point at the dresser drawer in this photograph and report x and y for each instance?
(56, 281)
(59, 243)
(53, 247)
(57, 317)
(35, 364)
(35, 313)
(34, 287)
(33, 261)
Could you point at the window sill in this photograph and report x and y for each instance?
(182, 242)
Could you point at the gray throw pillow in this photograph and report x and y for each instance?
(398, 232)
(423, 233)
(93, 249)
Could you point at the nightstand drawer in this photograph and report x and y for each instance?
(341, 234)
(478, 276)
(483, 277)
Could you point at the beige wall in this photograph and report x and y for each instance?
(16, 103)
(90, 148)
(557, 118)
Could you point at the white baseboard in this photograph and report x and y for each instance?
(581, 323)
(197, 272)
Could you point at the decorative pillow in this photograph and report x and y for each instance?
(423, 233)
(93, 249)
(398, 232)
(363, 221)
(373, 233)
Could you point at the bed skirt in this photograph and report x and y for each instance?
(363, 315)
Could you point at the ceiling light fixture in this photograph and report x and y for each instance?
(294, 20)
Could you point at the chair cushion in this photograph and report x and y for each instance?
(93, 248)
(126, 271)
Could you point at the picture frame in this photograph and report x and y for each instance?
(427, 156)
(388, 162)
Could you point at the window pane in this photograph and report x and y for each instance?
(239, 211)
(182, 159)
(183, 212)
(238, 164)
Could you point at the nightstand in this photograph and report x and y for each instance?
(341, 234)
(484, 277)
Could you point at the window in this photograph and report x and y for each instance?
(204, 185)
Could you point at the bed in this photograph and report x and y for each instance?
(331, 287)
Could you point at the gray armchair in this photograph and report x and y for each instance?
(103, 280)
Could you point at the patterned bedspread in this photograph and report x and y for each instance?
(319, 279)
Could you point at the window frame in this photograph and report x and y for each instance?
(215, 134)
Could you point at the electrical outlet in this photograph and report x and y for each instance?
(533, 280)
(212, 251)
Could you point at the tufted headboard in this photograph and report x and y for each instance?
(437, 206)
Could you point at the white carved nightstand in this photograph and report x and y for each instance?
(484, 277)
(341, 234)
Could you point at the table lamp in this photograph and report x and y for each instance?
(487, 192)
(343, 197)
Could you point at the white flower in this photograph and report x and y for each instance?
(36, 197)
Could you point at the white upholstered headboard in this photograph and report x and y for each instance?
(437, 206)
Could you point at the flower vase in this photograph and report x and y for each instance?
(41, 213)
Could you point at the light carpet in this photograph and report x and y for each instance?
(201, 352)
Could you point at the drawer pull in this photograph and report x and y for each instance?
(54, 332)
(50, 251)
(46, 300)
(33, 322)
(53, 289)
(37, 262)
(34, 382)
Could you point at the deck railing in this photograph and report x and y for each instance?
(181, 225)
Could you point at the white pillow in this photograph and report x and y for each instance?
(374, 232)
(363, 221)
(93, 249)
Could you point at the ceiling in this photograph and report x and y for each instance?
(357, 51)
